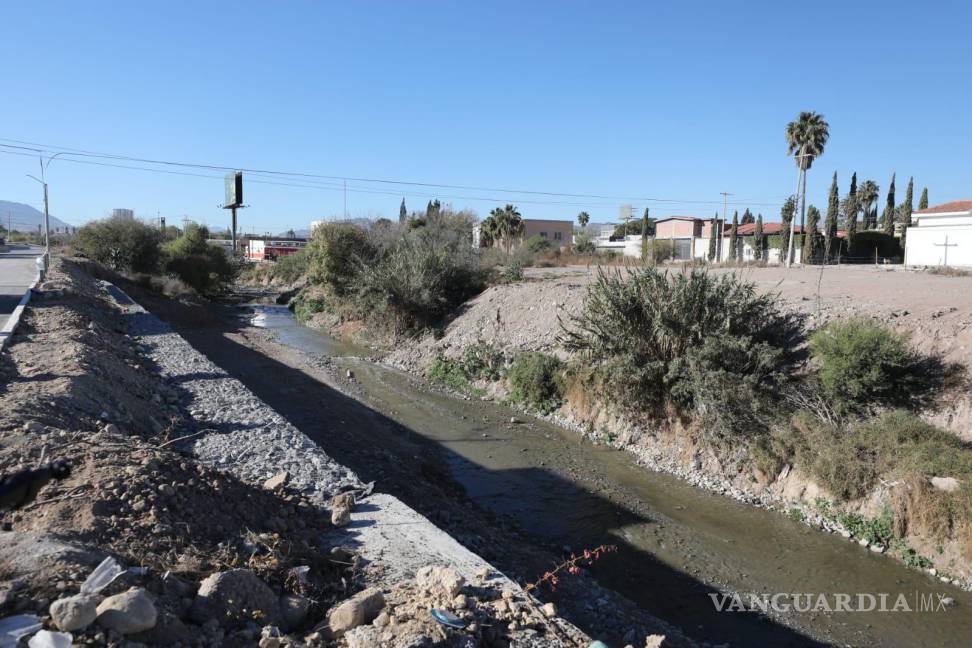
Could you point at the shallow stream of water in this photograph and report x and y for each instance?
(677, 544)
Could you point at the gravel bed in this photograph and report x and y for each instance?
(247, 437)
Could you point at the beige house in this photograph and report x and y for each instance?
(560, 233)
(684, 232)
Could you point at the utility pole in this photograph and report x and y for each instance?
(725, 214)
(801, 181)
(345, 200)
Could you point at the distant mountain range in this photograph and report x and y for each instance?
(25, 218)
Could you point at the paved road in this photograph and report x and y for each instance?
(18, 269)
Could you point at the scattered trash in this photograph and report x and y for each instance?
(102, 576)
(48, 639)
(300, 573)
(447, 619)
(14, 627)
(597, 643)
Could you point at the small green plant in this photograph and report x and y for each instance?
(796, 515)
(912, 558)
(880, 529)
(822, 504)
(305, 307)
(292, 267)
(862, 364)
(482, 361)
(449, 372)
(512, 272)
(853, 522)
(534, 380)
(537, 244)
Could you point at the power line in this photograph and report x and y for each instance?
(88, 153)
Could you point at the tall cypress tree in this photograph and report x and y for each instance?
(712, 238)
(923, 201)
(810, 235)
(758, 238)
(786, 216)
(850, 212)
(747, 217)
(887, 218)
(906, 209)
(833, 210)
(734, 236)
(402, 212)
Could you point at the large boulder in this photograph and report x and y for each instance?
(74, 612)
(237, 594)
(358, 610)
(128, 612)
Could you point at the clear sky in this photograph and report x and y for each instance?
(675, 100)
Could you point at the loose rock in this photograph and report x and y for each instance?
(358, 610)
(128, 612)
(74, 612)
(234, 594)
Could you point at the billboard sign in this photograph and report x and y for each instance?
(234, 189)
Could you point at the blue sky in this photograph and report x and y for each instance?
(676, 100)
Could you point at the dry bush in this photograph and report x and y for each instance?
(921, 510)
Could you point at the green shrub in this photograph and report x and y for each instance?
(709, 344)
(537, 244)
(863, 364)
(420, 280)
(658, 250)
(584, 242)
(448, 371)
(482, 361)
(534, 381)
(120, 244)
(207, 268)
(292, 267)
(306, 306)
(336, 254)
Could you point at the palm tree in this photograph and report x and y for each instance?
(487, 232)
(509, 224)
(583, 219)
(867, 194)
(806, 137)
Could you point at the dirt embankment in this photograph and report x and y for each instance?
(202, 557)
(936, 311)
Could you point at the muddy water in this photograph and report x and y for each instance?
(678, 544)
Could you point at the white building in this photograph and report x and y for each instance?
(941, 235)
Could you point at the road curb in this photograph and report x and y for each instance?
(6, 333)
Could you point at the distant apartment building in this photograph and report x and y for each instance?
(127, 214)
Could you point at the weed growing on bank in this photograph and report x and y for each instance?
(711, 346)
(535, 381)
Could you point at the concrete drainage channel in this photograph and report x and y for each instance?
(242, 435)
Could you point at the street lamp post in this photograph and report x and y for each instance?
(47, 217)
